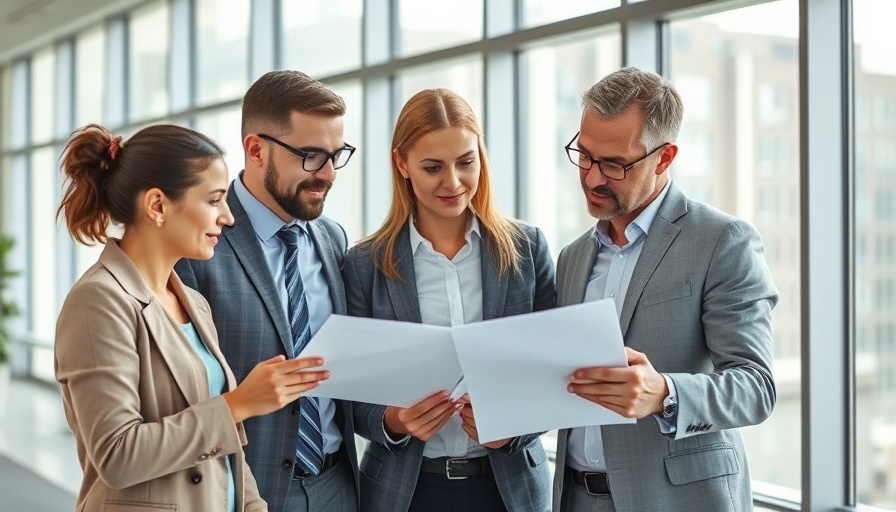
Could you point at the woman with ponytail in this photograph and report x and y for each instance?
(155, 410)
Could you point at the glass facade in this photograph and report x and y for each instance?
(875, 260)
(746, 147)
(738, 143)
(222, 50)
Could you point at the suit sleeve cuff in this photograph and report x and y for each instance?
(667, 425)
(392, 441)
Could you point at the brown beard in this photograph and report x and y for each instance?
(292, 203)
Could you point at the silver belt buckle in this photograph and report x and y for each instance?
(455, 464)
(595, 492)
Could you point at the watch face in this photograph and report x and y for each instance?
(669, 407)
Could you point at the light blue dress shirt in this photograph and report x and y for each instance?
(610, 277)
(320, 305)
(449, 293)
(216, 385)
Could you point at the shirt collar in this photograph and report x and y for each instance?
(638, 227)
(265, 222)
(417, 239)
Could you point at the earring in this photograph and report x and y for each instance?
(159, 220)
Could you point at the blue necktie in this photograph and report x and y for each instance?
(309, 450)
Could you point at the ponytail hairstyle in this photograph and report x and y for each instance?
(105, 175)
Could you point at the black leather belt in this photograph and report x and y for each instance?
(298, 472)
(457, 468)
(593, 482)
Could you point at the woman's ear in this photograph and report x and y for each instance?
(154, 206)
(400, 164)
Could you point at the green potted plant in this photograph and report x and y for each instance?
(8, 308)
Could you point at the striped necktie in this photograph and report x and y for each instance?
(309, 450)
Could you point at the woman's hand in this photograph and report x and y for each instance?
(273, 384)
(469, 425)
(422, 420)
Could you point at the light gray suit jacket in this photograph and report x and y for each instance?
(389, 472)
(699, 306)
(252, 327)
(136, 397)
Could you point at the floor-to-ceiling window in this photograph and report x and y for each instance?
(875, 251)
(522, 65)
(739, 151)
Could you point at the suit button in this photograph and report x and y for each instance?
(287, 464)
(196, 478)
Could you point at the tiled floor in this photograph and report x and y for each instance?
(33, 433)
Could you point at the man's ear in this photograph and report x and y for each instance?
(253, 147)
(667, 155)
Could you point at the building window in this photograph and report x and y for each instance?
(148, 62)
(222, 49)
(322, 37)
(775, 104)
(422, 32)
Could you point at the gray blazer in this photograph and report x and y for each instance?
(699, 306)
(252, 327)
(136, 397)
(389, 472)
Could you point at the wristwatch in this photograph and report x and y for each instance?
(670, 407)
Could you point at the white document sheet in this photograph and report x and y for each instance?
(383, 361)
(517, 368)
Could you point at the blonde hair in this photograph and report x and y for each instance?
(427, 111)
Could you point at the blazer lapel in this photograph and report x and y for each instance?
(168, 338)
(578, 265)
(662, 234)
(403, 294)
(201, 318)
(494, 286)
(331, 268)
(245, 245)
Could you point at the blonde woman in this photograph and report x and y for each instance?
(446, 256)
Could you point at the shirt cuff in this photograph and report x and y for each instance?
(404, 440)
(667, 425)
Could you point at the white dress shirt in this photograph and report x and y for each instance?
(449, 293)
(610, 277)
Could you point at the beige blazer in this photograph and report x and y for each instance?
(136, 397)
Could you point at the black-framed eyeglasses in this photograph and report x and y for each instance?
(609, 168)
(314, 160)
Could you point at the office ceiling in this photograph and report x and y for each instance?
(26, 25)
